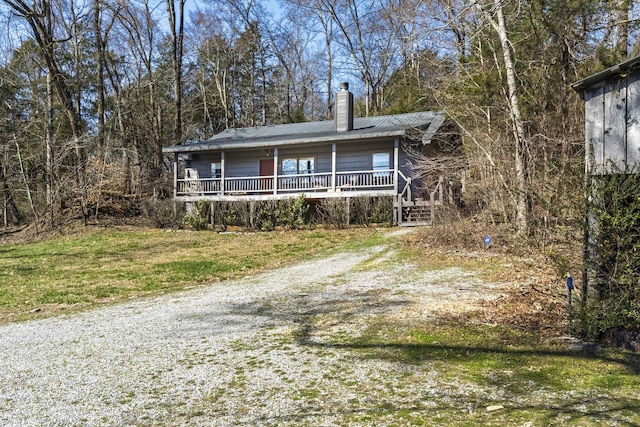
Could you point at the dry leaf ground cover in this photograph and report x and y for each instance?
(388, 330)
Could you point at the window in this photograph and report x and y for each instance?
(306, 166)
(301, 166)
(289, 166)
(381, 161)
(298, 166)
(216, 170)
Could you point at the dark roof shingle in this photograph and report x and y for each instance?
(322, 131)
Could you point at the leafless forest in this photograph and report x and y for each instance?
(92, 90)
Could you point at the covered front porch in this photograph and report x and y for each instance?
(408, 210)
(317, 172)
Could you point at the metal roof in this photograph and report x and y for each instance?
(616, 70)
(364, 128)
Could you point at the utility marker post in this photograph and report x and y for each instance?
(569, 290)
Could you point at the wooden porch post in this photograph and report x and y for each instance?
(223, 172)
(175, 175)
(334, 157)
(396, 178)
(275, 171)
(396, 162)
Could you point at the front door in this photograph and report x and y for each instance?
(266, 169)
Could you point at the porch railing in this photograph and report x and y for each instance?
(198, 186)
(256, 184)
(364, 179)
(304, 182)
(316, 182)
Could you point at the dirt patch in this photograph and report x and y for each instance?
(533, 293)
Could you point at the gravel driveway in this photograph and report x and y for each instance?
(264, 350)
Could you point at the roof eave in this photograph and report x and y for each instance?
(222, 145)
(616, 70)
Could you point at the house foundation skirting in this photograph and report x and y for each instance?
(266, 197)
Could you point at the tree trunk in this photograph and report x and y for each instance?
(622, 28)
(176, 26)
(99, 80)
(25, 180)
(328, 29)
(48, 139)
(521, 196)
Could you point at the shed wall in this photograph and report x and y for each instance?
(633, 122)
(612, 128)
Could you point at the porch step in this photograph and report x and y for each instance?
(416, 215)
(415, 224)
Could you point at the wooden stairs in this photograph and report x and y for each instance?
(420, 212)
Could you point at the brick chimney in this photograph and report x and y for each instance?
(344, 109)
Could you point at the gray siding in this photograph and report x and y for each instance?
(202, 162)
(594, 131)
(350, 157)
(237, 163)
(243, 163)
(358, 156)
(614, 123)
(404, 163)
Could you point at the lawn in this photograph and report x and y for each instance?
(496, 375)
(81, 271)
(498, 366)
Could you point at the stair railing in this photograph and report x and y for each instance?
(432, 198)
(404, 196)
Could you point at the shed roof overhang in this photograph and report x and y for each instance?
(616, 70)
(423, 125)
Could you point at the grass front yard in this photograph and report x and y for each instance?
(503, 362)
(63, 274)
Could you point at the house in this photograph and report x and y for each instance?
(612, 118)
(347, 157)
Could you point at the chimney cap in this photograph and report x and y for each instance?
(344, 86)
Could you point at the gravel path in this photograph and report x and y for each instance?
(264, 350)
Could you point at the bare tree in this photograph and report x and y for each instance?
(40, 19)
(312, 13)
(145, 125)
(495, 15)
(100, 34)
(297, 80)
(366, 39)
(176, 28)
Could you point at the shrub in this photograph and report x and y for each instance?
(162, 213)
(198, 218)
(292, 213)
(613, 300)
(266, 216)
(334, 212)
